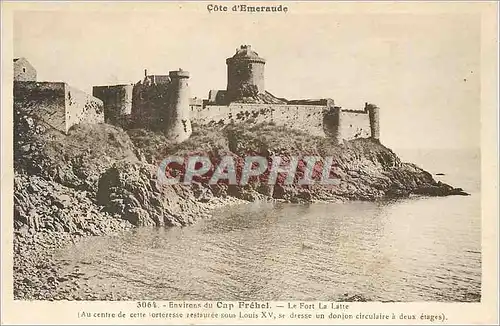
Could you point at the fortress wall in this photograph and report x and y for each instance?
(43, 100)
(117, 101)
(354, 125)
(209, 114)
(82, 107)
(308, 118)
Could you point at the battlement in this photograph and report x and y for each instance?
(178, 74)
(245, 53)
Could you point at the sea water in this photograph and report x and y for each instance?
(409, 250)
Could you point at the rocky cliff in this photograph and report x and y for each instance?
(103, 168)
(99, 179)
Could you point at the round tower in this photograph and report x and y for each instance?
(177, 124)
(374, 114)
(245, 72)
(332, 123)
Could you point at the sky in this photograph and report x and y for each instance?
(422, 70)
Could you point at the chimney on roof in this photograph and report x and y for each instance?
(145, 72)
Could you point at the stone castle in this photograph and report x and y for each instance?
(163, 103)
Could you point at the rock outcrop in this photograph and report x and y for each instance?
(99, 180)
(99, 169)
(131, 190)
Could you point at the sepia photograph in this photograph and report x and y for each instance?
(247, 152)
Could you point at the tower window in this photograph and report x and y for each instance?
(24, 69)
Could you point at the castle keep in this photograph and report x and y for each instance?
(245, 73)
